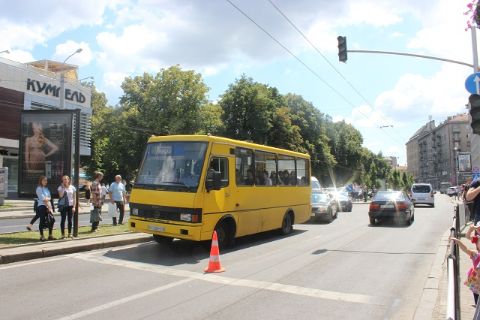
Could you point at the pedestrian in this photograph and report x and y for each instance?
(44, 207)
(473, 195)
(118, 193)
(67, 190)
(87, 193)
(473, 275)
(97, 202)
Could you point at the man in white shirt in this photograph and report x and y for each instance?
(118, 194)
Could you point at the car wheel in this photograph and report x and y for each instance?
(350, 209)
(373, 221)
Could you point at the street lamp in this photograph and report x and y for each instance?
(62, 80)
(90, 77)
(456, 164)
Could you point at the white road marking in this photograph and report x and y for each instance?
(123, 301)
(255, 284)
(11, 266)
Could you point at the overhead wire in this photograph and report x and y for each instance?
(300, 60)
(350, 84)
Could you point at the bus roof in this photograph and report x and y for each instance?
(233, 142)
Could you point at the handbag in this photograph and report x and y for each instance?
(49, 220)
(63, 201)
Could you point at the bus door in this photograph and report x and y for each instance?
(218, 202)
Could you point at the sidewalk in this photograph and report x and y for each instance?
(467, 306)
(59, 247)
(24, 209)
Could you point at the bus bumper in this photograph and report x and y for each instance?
(171, 230)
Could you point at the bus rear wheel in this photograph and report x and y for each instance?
(162, 240)
(287, 224)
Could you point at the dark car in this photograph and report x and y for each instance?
(323, 206)
(394, 205)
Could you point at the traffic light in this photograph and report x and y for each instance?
(474, 101)
(342, 48)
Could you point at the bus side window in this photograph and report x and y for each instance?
(221, 165)
(303, 172)
(244, 170)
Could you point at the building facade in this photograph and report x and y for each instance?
(433, 151)
(36, 86)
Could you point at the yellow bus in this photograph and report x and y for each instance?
(190, 185)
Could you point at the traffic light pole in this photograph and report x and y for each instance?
(475, 53)
(419, 55)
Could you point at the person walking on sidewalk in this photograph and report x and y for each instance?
(97, 202)
(44, 206)
(473, 279)
(87, 193)
(68, 191)
(118, 194)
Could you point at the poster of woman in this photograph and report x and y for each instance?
(46, 147)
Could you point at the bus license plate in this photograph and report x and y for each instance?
(156, 228)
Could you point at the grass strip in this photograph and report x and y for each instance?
(28, 237)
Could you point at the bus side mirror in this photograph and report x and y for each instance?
(214, 181)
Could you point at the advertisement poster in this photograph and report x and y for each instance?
(464, 162)
(45, 149)
(3, 182)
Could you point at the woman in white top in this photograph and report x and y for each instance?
(43, 195)
(67, 211)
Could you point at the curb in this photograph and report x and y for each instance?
(428, 301)
(16, 254)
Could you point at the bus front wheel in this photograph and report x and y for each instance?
(162, 240)
(225, 234)
(287, 224)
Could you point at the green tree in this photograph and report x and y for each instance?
(311, 123)
(248, 109)
(167, 103)
(211, 120)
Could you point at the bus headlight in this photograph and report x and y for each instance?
(135, 212)
(186, 217)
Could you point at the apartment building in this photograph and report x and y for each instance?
(433, 151)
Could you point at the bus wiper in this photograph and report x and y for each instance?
(176, 183)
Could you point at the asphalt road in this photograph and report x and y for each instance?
(342, 270)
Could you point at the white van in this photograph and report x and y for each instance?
(422, 193)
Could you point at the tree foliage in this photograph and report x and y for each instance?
(173, 101)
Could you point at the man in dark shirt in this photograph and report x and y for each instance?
(473, 195)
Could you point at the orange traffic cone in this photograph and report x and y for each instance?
(214, 262)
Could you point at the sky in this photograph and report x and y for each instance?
(386, 97)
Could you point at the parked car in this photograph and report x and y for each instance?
(342, 198)
(391, 204)
(315, 184)
(323, 206)
(422, 193)
(452, 191)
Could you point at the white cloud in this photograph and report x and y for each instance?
(18, 55)
(26, 24)
(114, 79)
(81, 59)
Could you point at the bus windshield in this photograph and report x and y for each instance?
(172, 166)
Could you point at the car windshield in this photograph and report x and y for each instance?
(421, 189)
(319, 197)
(388, 195)
(173, 166)
(316, 185)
